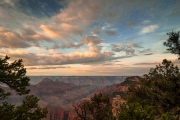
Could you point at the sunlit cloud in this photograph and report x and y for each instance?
(146, 63)
(28, 38)
(117, 36)
(149, 29)
(48, 67)
(54, 58)
(62, 31)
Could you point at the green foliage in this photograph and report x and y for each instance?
(98, 108)
(4, 95)
(14, 76)
(122, 94)
(130, 80)
(159, 89)
(166, 116)
(158, 93)
(173, 43)
(30, 109)
(135, 111)
(6, 111)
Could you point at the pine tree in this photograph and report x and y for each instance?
(135, 111)
(160, 89)
(14, 76)
(173, 43)
(98, 108)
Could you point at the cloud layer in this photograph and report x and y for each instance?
(10, 39)
(149, 29)
(85, 33)
(129, 49)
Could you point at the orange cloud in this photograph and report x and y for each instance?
(28, 38)
(53, 32)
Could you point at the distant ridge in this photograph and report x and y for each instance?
(121, 88)
(81, 80)
(47, 80)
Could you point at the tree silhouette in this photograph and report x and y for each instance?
(14, 76)
(173, 43)
(97, 108)
(160, 88)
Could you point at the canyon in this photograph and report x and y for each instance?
(59, 94)
(82, 80)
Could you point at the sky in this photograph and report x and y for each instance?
(88, 37)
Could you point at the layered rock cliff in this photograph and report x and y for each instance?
(58, 95)
(58, 113)
(121, 88)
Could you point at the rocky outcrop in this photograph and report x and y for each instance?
(50, 87)
(55, 93)
(121, 88)
(57, 113)
(59, 93)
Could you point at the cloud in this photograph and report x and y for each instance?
(13, 18)
(176, 62)
(111, 64)
(175, 11)
(96, 30)
(105, 63)
(62, 31)
(40, 8)
(111, 32)
(149, 29)
(159, 43)
(166, 52)
(148, 54)
(72, 21)
(69, 45)
(87, 13)
(116, 61)
(146, 21)
(53, 57)
(145, 52)
(111, 59)
(120, 64)
(117, 70)
(56, 58)
(178, 29)
(92, 40)
(132, 23)
(96, 49)
(89, 41)
(9, 2)
(129, 49)
(48, 67)
(10, 39)
(155, 63)
(135, 45)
